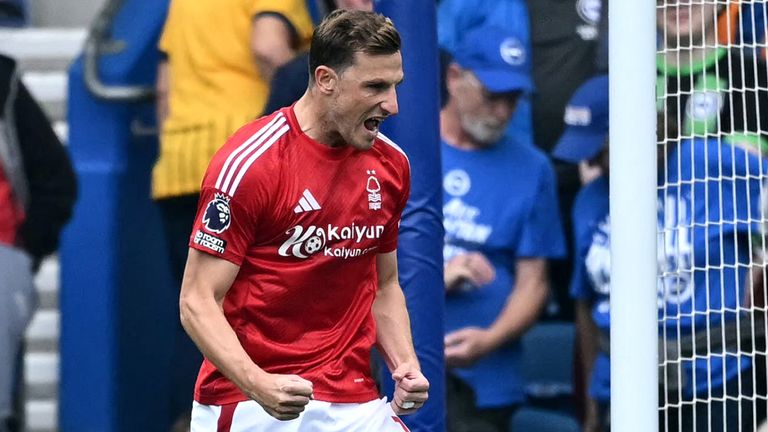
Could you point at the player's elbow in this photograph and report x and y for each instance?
(189, 309)
(185, 312)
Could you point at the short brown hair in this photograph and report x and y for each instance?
(346, 32)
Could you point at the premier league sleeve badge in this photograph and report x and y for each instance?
(217, 215)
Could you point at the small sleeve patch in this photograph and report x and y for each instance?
(217, 216)
(211, 242)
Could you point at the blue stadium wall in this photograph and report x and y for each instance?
(117, 301)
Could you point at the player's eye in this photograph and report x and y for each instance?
(377, 87)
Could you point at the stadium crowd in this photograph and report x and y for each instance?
(524, 146)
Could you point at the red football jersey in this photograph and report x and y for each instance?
(304, 222)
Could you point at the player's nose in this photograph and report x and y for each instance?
(390, 102)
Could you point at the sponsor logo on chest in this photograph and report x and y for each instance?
(304, 242)
(333, 240)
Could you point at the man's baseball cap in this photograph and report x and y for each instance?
(498, 58)
(586, 119)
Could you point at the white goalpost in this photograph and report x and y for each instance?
(688, 205)
(633, 220)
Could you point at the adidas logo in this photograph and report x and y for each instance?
(306, 203)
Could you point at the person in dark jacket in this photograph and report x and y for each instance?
(37, 193)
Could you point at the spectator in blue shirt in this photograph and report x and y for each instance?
(501, 224)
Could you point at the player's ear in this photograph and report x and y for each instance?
(326, 79)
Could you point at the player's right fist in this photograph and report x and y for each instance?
(282, 396)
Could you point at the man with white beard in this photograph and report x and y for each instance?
(501, 224)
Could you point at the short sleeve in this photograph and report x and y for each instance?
(223, 227)
(391, 230)
(295, 13)
(542, 233)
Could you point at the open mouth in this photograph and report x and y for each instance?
(373, 123)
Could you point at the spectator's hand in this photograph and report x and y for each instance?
(472, 267)
(411, 389)
(588, 172)
(282, 396)
(465, 346)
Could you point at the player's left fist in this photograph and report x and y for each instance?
(411, 389)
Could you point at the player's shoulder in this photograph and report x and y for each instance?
(388, 149)
(248, 152)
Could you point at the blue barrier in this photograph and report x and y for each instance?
(420, 253)
(117, 309)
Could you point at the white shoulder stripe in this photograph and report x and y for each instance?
(242, 147)
(234, 169)
(255, 156)
(392, 144)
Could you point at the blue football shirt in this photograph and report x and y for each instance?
(502, 202)
(708, 208)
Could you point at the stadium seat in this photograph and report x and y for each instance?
(538, 420)
(548, 360)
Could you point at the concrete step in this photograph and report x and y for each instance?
(41, 359)
(42, 49)
(63, 13)
(41, 375)
(47, 283)
(50, 91)
(42, 415)
(43, 332)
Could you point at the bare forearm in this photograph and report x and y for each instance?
(524, 304)
(271, 45)
(521, 312)
(206, 325)
(162, 87)
(393, 329)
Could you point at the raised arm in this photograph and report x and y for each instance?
(207, 279)
(393, 336)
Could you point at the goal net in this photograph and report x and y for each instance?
(712, 100)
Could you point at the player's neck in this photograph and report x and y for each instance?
(451, 130)
(309, 115)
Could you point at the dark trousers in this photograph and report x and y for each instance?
(178, 214)
(464, 414)
(731, 415)
(734, 414)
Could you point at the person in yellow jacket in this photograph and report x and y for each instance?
(218, 59)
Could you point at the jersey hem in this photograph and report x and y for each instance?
(361, 397)
(231, 397)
